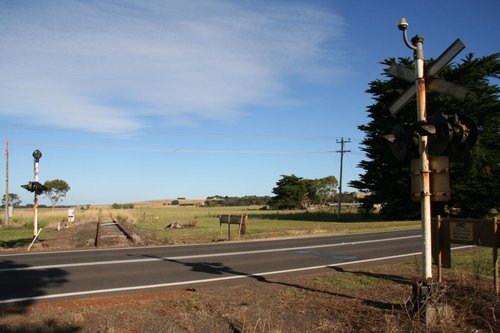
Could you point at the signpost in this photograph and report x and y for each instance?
(419, 90)
(478, 232)
(240, 220)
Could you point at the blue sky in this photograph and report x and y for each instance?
(138, 100)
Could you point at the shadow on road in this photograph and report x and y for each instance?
(218, 268)
(19, 287)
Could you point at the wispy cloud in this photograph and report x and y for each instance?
(108, 66)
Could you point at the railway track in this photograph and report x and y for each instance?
(113, 232)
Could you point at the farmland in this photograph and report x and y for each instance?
(365, 299)
(201, 224)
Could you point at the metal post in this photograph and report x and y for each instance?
(6, 183)
(425, 197)
(36, 155)
(35, 203)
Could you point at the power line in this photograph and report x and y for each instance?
(171, 150)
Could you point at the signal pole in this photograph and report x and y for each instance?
(341, 151)
(425, 200)
(6, 182)
(36, 155)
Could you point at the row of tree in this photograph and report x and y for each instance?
(122, 206)
(248, 200)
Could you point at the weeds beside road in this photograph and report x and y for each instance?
(152, 224)
(373, 299)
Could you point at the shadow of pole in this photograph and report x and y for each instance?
(218, 268)
(20, 287)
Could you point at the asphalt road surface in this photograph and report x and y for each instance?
(28, 278)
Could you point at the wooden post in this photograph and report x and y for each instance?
(239, 227)
(229, 227)
(437, 246)
(496, 232)
(220, 225)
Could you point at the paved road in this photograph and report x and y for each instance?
(27, 278)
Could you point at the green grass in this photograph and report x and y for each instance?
(261, 223)
(477, 261)
(20, 229)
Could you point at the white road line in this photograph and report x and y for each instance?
(209, 255)
(155, 247)
(191, 282)
(181, 283)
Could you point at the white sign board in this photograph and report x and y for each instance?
(462, 231)
(71, 215)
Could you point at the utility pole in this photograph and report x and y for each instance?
(341, 151)
(6, 182)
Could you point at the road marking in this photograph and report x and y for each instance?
(181, 283)
(209, 255)
(225, 278)
(205, 244)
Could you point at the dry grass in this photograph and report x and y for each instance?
(152, 223)
(372, 299)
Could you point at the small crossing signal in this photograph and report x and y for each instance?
(34, 187)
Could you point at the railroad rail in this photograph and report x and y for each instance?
(114, 232)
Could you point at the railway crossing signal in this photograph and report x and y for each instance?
(454, 131)
(423, 129)
(34, 187)
(38, 189)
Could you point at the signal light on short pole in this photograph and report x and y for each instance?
(36, 188)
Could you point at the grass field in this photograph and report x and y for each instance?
(203, 223)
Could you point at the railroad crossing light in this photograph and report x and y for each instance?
(439, 141)
(404, 138)
(464, 132)
(402, 141)
(34, 187)
(455, 131)
(37, 155)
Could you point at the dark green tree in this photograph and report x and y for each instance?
(474, 174)
(290, 193)
(55, 190)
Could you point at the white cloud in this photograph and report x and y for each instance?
(106, 65)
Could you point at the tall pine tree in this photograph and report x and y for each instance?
(474, 174)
